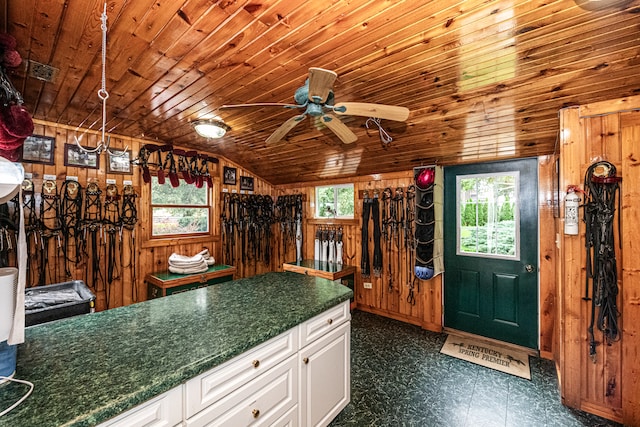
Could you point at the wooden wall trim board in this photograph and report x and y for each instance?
(620, 105)
(547, 175)
(630, 296)
(608, 387)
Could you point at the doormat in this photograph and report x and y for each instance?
(502, 359)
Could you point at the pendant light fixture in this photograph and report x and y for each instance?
(210, 128)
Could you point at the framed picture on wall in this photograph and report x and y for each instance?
(74, 156)
(246, 183)
(119, 162)
(38, 149)
(229, 176)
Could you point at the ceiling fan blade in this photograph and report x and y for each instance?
(320, 84)
(284, 128)
(340, 129)
(261, 104)
(381, 111)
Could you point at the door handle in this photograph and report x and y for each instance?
(529, 268)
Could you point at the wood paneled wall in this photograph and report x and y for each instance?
(609, 386)
(427, 310)
(124, 288)
(152, 255)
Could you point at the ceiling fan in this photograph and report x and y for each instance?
(316, 97)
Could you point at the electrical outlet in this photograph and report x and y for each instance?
(368, 285)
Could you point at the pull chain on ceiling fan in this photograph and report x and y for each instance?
(317, 98)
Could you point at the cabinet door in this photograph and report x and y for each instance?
(325, 374)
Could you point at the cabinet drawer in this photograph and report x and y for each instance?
(317, 326)
(211, 386)
(162, 411)
(290, 419)
(263, 401)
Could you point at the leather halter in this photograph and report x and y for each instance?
(601, 185)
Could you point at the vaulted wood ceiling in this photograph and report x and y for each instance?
(483, 79)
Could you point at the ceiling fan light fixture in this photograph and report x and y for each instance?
(210, 128)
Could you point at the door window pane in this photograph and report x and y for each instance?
(487, 211)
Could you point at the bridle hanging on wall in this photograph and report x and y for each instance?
(112, 224)
(410, 241)
(388, 227)
(601, 185)
(71, 213)
(92, 229)
(129, 219)
(49, 227)
(227, 224)
(365, 265)
(31, 227)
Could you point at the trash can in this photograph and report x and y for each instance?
(58, 301)
(8, 355)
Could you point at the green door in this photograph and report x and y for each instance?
(491, 250)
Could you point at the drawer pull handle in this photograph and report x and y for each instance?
(256, 413)
(330, 321)
(305, 360)
(255, 363)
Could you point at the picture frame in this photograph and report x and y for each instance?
(229, 175)
(38, 149)
(119, 161)
(74, 156)
(246, 183)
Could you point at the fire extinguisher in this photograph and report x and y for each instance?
(571, 205)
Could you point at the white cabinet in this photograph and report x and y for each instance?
(299, 378)
(162, 411)
(325, 377)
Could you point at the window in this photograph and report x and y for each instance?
(335, 201)
(184, 210)
(488, 215)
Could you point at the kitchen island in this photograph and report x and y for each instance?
(89, 369)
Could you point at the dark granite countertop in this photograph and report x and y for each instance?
(90, 368)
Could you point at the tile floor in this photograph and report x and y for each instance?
(399, 378)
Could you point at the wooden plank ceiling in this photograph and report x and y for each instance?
(483, 79)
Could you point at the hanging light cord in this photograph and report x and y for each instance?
(103, 95)
(385, 138)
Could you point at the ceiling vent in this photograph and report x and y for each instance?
(42, 72)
